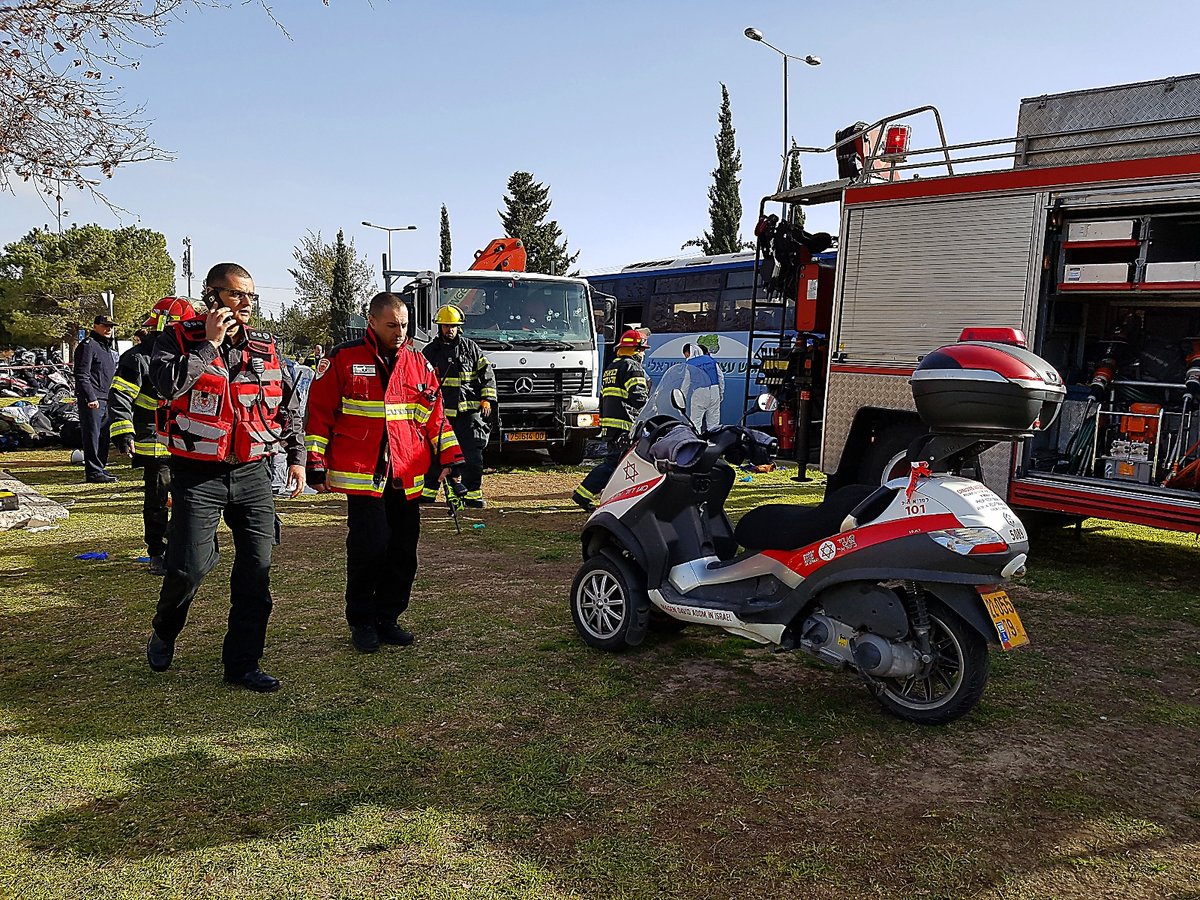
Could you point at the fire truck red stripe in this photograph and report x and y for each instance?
(1017, 179)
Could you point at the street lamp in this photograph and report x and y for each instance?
(389, 234)
(756, 35)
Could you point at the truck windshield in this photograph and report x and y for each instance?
(516, 310)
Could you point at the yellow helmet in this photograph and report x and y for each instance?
(449, 315)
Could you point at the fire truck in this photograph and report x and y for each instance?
(1079, 237)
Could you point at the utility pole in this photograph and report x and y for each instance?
(187, 264)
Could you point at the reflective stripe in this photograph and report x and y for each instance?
(468, 404)
(614, 392)
(352, 480)
(429, 493)
(488, 393)
(451, 382)
(407, 412)
(125, 387)
(474, 495)
(446, 441)
(412, 493)
(150, 448)
(207, 448)
(145, 401)
(583, 492)
(120, 427)
(635, 382)
(314, 443)
(191, 426)
(372, 409)
(618, 424)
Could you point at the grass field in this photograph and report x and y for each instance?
(499, 757)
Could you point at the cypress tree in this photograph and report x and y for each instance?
(724, 200)
(341, 300)
(444, 260)
(526, 206)
(795, 179)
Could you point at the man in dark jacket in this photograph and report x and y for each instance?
(95, 366)
(623, 393)
(468, 392)
(134, 407)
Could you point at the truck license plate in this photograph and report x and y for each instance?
(525, 436)
(1004, 616)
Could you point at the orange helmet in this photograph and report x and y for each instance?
(632, 341)
(168, 311)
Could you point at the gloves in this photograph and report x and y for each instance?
(124, 444)
(314, 476)
(485, 407)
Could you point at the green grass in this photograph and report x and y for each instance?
(499, 757)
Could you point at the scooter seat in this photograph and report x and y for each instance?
(786, 526)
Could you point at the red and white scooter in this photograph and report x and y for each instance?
(900, 583)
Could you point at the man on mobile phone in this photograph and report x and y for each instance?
(229, 404)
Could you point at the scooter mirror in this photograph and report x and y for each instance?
(677, 400)
(767, 402)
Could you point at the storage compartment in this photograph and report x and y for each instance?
(1172, 271)
(1109, 230)
(1096, 273)
(994, 389)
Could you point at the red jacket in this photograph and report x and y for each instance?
(349, 408)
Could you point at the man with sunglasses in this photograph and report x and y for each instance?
(230, 404)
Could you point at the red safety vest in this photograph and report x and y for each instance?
(353, 416)
(228, 420)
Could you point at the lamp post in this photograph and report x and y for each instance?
(389, 234)
(756, 35)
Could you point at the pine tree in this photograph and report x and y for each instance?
(341, 299)
(795, 179)
(526, 206)
(444, 262)
(724, 201)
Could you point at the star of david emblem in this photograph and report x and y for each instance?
(630, 471)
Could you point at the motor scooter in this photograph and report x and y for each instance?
(900, 583)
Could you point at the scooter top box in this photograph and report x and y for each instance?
(994, 389)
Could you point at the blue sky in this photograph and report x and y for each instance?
(386, 111)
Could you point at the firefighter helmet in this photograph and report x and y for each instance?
(632, 341)
(449, 315)
(168, 311)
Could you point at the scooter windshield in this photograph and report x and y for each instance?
(677, 377)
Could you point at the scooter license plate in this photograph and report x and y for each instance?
(1008, 624)
(525, 436)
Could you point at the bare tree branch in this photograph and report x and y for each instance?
(62, 114)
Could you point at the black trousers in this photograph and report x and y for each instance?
(202, 492)
(381, 556)
(93, 423)
(472, 432)
(596, 480)
(156, 486)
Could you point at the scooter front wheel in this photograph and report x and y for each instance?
(955, 680)
(609, 603)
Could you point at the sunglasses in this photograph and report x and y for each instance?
(239, 295)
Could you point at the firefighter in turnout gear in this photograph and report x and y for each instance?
(134, 409)
(468, 393)
(229, 405)
(623, 393)
(375, 422)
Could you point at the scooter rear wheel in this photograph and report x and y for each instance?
(609, 603)
(955, 681)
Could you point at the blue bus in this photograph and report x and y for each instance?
(681, 299)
